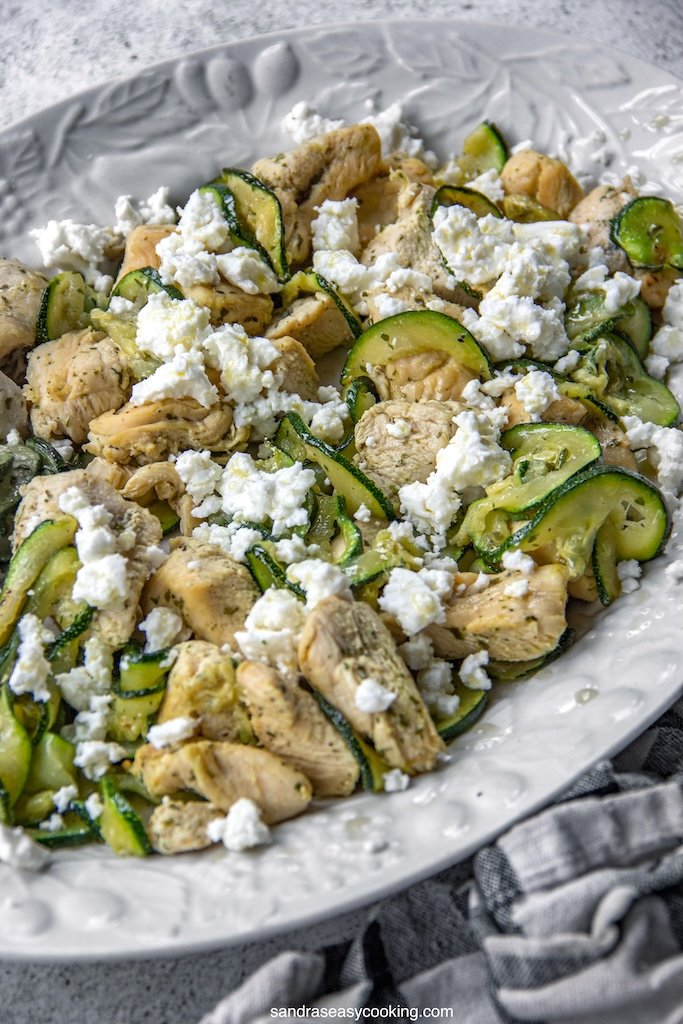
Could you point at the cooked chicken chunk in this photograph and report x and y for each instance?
(563, 410)
(616, 450)
(230, 305)
(13, 411)
(223, 773)
(378, 198)
(509, 628)
(41, 501)
(300, 376)
(316, 322)
(346, 642)
(155, 430)
(178, 826)
(595, 211)
(211, 591)
(287, 721)
(110, 472)
(157, 480)
(141, 247)
(201, 685)
(326, 168)
(398, 441)
(72, 380)
(421, 377)
(21, 292)
(545, 179)
(655, 284)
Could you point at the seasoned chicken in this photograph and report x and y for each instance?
(563, 410)
(346, 642)
(398, 441)
(315, 321)
(509, 628)
(110, 472)
(201, 685)
(545, 179)
(141, 246)
(157, 480)
(228, 304)
(300, 376)
(13, 411)
(421, 377)
(72, 380)
(155, 430)
(616, 450)
(595, 211)
(378, 198)
(655, 285)
(41, 501)
(287, 721)
(21, 292)
(325, 168)
(211, 591)
(224, 772)
(410, 239)
(178, 826)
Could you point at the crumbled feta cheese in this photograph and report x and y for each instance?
(31, 669)
(516, 588)
(481, 583)
(617, 290)
(164, 324)
(629, 573)
(536, 390)
(475, 249)
(371, 697)
(567, 363)
(92, 723)
(272, 629)
(65, 245)
(489, 184)
(303, 123)
(241, 829)
(63, 797)
(656, 366)
(203, 221)
(395, 781)
(52, 824)
(400, 429)
(156, 209)
(94, 806)
(415, 599)
(398, 137)
(253, 495)
(665, 451)
(14, 437)
(353, 279)
(233, 539)
(336, 226)
(244, 268)
(182, 377)
(20, 851)
(417, 652)
(161, 627)
(175, 730)
(93, 678)
(199, 473)
(386, 305)
(362, 514)
(472, 673)
(183, 261)
(95, 756)
(517, 560)
(103, 583)
(320, 579)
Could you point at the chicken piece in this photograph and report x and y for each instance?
(563, 410)
(545, 179)
(141, 247)
(509, 628)
(178, 826)
(421, 377)
(223, 773)
(410, 239)
(72, 380)
(155, 430)
(315, 321)
(287, 721)
(21, 292)
(202, 685)
(211, 591)
(325, 168)
(655, 284)
(155, 481)
(13, 410)
(596, 211)
(300, 376)
(616, 450)
(41, 502)
(228, 304)
(346, 642)
(378, 198)
(405, 438)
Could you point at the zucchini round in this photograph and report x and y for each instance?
(649, 231)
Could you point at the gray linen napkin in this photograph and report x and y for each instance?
(574, 915)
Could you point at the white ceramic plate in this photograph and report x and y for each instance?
(177, 124)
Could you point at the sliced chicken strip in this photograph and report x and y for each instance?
(178, 826)
(545, 179)
(21, 292)
(230, 305)
(202, 685)
(316, 322)
(141, 247)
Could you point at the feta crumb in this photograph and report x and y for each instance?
(66, 245)
(165, 323)
(161, 627)
(62, 798)
(567, 363)
(253, 495)
(656, 366)
(320, 579)
(371, 697)
(14, 437)
(629, 572)
(303, 123)
(415, 599)
(472, 673)
(102, 583)
(199, 473)
(362, 514)
(175, 730)
(94, 806)
(93, 678)
(336, 226)
(519, 561)
(20, 851)
(400, 429)
(241, 829)
(182, 377)
(153, 210)
(536, 391)
(52, 824)
(395, 781)
(95, 756)
(272, 630)
(516, 588)
(31, 669)
(244, 268)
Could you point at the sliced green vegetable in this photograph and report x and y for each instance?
(51, 461)
(269, 572)
(122, 829)
(65, 306)
(19, 465)
(121, 328)
(372, 766)
(460, 195)
(52, 765)
(309, 282)
(637, 327)
(525, 210)
(168, 517)
(139, 690)
(604, 563)
(137, 285)
(648, 229)
(360, 395)
(15, 749)
(75, 832)
(259, 215)
(484, 149)
(469, 710)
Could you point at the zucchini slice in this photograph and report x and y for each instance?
(76, 832)
(27, 562)
(372, 766)
(571, 517)
(15, 750)
(122, 829)
(308, 283)
(586, 317)
(484, 149)
(604, 563)
(168, 518)
(648, 229)
(269, 572)
(19, 464)
(405, 334)
(296, 440)
(460, 195)
(51, 461)
(138, 285)
(525, 210)
(360, 395)
(139, 691)
(52, 765)
(637, 328)
(259, 215)
(469, 710)
(65, 306)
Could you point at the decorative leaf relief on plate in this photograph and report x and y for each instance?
(347, 51)
(448, 56)
(276, 70)
(228, 84)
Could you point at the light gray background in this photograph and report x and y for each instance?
(51, 50)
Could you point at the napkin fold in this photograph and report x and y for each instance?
(574, 915)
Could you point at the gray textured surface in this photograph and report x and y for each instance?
(52, 50)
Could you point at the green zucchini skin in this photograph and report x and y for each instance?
(372, 767)
(461, 195)
(472, 705)
(120, 826)
(257, 216)
(649, 231)
(137, 285)
(65, 306)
